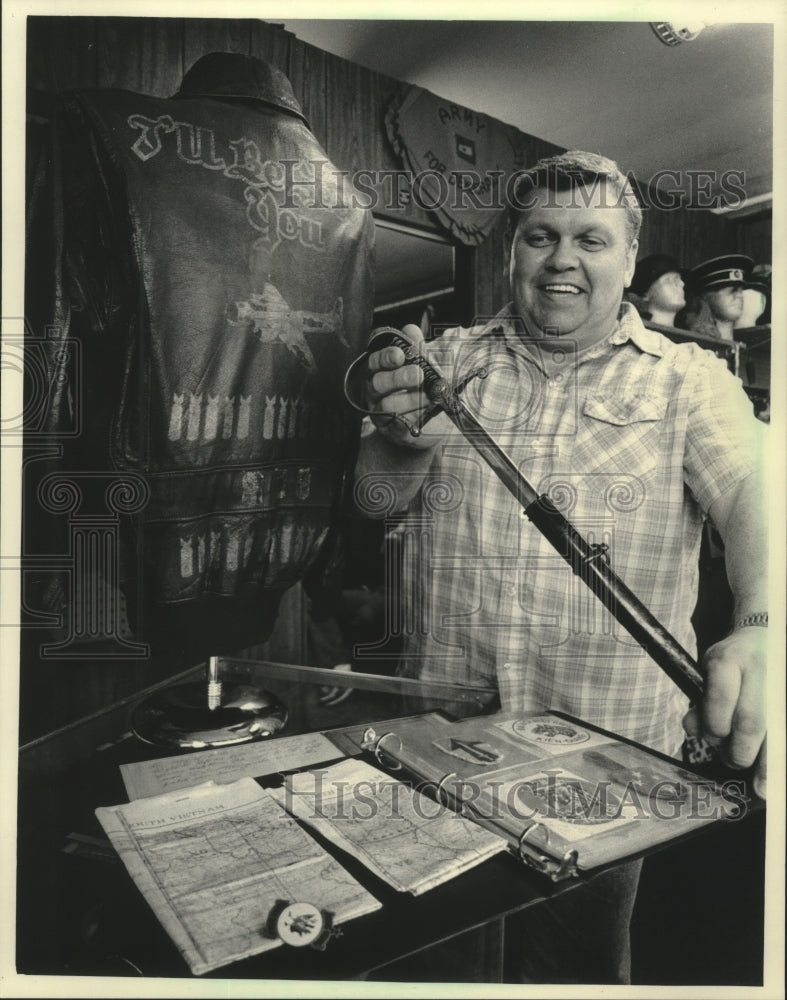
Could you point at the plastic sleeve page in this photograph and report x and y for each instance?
(154, 777)
(214, 861)
(401, 834)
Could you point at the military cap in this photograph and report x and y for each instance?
(729, 269)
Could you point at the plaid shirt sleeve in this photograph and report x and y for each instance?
(725, 442)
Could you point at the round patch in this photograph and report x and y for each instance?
(569, 799)
(553, 731)
(300, 924)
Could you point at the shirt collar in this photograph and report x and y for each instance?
(629, 327)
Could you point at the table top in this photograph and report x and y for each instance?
(79, 913)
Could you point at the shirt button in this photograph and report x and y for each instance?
(506, 666)
(511, 589)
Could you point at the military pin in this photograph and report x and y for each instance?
(300, 924)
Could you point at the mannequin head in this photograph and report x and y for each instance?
(665, 297)
(756, 298)
(658, 284)
(718, 285)
(726, 303)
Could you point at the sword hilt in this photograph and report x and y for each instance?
(442, 395)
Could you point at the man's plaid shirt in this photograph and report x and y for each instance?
(633, 440)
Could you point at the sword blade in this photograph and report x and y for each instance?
(260, 669)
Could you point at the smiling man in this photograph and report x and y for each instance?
(638, 441)
(569, 256)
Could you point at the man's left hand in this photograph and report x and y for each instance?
(732, 714)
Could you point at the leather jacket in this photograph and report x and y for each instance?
(207, 260)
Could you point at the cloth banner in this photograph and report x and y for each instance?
(460, 160)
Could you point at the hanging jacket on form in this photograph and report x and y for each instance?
(213, 270)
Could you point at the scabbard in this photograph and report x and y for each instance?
(591, 564)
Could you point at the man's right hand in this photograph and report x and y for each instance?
(394, 389)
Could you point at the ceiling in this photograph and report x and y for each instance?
(608, 86)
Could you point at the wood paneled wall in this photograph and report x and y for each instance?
(690, 235)
(754, 236)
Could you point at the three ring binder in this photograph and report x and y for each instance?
(568, 797)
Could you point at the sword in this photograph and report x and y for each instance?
(589, 562)
(273, 670)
